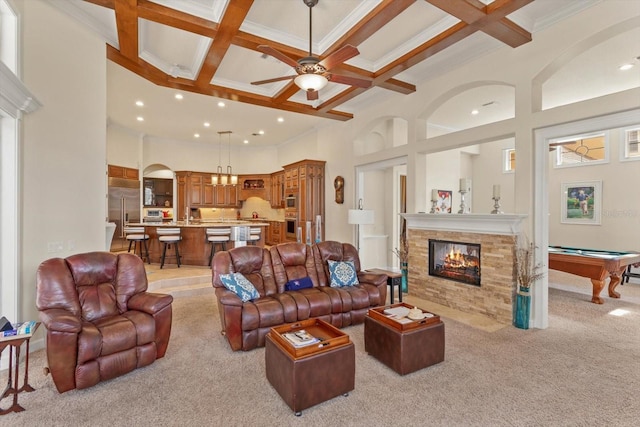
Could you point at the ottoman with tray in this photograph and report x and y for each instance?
(310, 374)
(403, 344)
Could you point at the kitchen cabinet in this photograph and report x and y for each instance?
(277, 190)
(114, 171)
(291, 178)
(310, 188)
(254, 186)
(158, 192)
(275, 233)
(195, 190)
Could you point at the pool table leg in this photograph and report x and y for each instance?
(615, 280)
(597, 288)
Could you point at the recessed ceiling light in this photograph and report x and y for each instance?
(625, 67)
(207, 124)
(220, 104)
(280, 120)
(196, 135)
(246, 141)
(140, 119)
(261, 132)
(179, 96)
(474, 112)
(140, 103)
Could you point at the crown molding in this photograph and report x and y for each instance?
(15, 98)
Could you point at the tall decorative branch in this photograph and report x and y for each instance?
(528, 272)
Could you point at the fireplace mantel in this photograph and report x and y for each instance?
(505, 224)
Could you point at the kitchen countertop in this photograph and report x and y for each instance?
(202, 223)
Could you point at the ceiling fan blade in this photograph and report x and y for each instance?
(275, 79)
(278, 55)
(339, 56)
(351, 81)
(312, 95)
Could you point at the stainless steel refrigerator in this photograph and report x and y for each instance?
(124, 207)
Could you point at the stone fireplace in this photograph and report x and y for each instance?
(482, 244)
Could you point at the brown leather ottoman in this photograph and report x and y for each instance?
(308, 379)
(404, 351)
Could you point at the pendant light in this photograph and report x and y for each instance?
(217, 177)
(229, 178)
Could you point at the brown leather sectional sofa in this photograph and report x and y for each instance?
(245, 324)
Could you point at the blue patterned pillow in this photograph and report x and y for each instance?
(342, 273)
(239, 285)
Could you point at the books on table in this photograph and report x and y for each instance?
(300, 338)
(18, 330)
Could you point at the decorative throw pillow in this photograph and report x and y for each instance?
(240, 285)
(302, 283)
(342, 273)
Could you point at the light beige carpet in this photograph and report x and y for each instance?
(583, 370)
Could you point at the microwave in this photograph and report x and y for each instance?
(291, 202)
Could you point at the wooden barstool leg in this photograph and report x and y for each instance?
(177, 253)
(146, 251)
(164, 252)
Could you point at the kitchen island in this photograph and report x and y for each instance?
(194, 247)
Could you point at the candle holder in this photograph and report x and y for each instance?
(496, 206)
(463, 207)
(433, 206)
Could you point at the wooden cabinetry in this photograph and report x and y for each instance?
(254, 186)
(309, 187)
(277, 190)
(275, 233)
(158, 191)
(114, 171)
(195, 190)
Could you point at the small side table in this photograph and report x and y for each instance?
(14, 376)
(394, 278)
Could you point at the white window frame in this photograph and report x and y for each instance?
(624, 144)
(558, 153)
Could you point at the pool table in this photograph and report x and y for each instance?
(595, 264)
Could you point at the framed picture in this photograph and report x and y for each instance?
(443, 204)
(581, 202)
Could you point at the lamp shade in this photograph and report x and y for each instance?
(361, 216)
(311, 81)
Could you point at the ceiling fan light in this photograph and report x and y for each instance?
(311, 81)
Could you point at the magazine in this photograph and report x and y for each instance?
(18, 330)
(300, 338)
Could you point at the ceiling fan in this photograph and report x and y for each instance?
(312, 73)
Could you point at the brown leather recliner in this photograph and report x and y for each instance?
(101, 323)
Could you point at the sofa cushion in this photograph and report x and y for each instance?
(239, 285)
(297, 284)
(342, 273)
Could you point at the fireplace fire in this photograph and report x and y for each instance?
(455, 261)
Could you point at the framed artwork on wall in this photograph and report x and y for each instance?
(581, 202)
(443, 204)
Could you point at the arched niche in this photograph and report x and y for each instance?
(571, 77)
(468, 106)
(382, 134)
(157, 170)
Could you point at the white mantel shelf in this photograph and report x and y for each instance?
(507, 224)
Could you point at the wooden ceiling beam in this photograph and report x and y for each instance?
(174, 18)
(127, 24)
(233, 17)
(158, 77)
(380, 16)
(490, 19)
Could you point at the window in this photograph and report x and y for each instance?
(580, 150)
(509, 160)
(630, 149)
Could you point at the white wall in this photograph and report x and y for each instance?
(64, 142)
(123, 147)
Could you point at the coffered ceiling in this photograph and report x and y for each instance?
(211, 48)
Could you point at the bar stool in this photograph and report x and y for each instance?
(138, 238)
(218, 236)
(254, 235)
(168, 237)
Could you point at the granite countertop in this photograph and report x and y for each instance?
(201, 224)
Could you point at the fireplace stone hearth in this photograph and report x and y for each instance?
(494, 234)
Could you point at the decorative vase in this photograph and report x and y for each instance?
(405, 276)
(522, 310)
